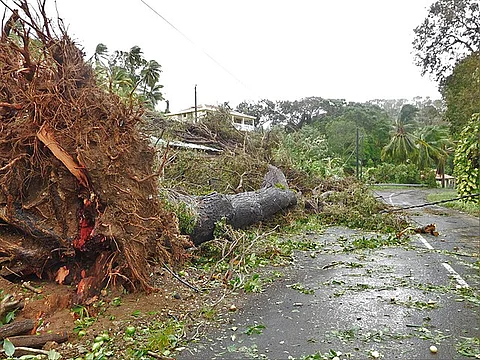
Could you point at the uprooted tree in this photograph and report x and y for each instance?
(76, 176)
(79, 197)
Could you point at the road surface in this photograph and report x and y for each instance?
(391, 302)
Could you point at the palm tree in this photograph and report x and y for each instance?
(151, 73)
(402, 146)
(147, 83)
(432, 143)
(128, 74)
(153, 96)
(101, 53)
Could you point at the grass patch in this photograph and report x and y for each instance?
(470, 208)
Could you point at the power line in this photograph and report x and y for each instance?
(194, 44)
(430, 203)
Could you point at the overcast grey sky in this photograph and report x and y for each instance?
(274, 49)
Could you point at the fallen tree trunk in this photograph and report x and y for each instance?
(240, 210)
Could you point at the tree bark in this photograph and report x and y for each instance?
(16, 328)
(241, 210)
(37, 341)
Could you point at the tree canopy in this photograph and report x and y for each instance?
(461, 91)
(450, 32)
(129, 74)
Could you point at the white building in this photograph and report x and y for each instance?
(242, 122)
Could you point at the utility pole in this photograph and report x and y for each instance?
(196, 113)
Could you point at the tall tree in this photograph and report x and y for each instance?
(295, 114)
(461, 91)
(402, 146)
(373, 124)
(450, 32)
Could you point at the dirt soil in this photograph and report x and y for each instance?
(114, 310)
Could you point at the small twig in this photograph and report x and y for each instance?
(180, 279)
(219, 300)
(26, 285)
(10, 304)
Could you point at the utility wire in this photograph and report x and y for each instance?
(194, 44)
(431, 203)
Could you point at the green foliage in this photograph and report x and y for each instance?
(449, 32)
(373, 125)
(256, 329)
(253, 284)
(8, 347)
(467, 159)
(374, 242)
(307, 150)
(10, 315)
(468, 347)
(301, 288)
(128, 74)
(402, 147)
(330, 355)
(356, 207)
(461, 92)
(397, 174)
(292, 115)
(165, 337)
(83, 319)
(185, 215)
(99, 349)
(434, 147)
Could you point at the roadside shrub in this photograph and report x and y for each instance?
(428, 178)
(467, 159)
(306, 150)
(399, 174)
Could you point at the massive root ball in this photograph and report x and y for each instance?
(78, 194)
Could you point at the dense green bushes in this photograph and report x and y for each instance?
(400, 174)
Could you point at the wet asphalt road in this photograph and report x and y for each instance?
(393, 302)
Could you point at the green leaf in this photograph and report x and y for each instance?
(9, 317)
(8, 347)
